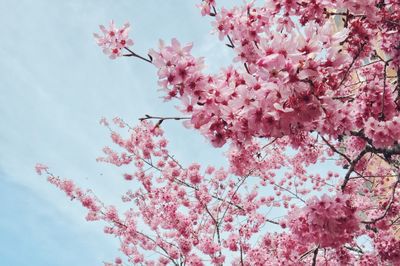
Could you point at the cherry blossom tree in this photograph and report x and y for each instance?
(311, 81)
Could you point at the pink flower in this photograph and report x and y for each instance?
(328, 222)
(113, 39)
(40, 168)
(388, 247)
(206, 6)
(118, 261)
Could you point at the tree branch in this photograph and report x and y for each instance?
(132, 53)
(351, 65)
(352, 166)
(314, 261)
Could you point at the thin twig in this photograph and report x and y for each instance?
(163, 118)
(241, 254)
(290, 192)
(336, 150)
(358, 250)
(351, 65)
(382, 115)
(230, 44)
(132, 53)
(388, 206)
(352, 166)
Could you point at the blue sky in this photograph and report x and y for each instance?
(55, 85)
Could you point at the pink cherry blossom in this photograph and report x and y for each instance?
(40, 168)
(388, 247)
(113, 40)
(327, 222)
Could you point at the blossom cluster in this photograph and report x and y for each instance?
(206, 7)
(327, 222)
(113, 40)
(388, 247)
(383, 133)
